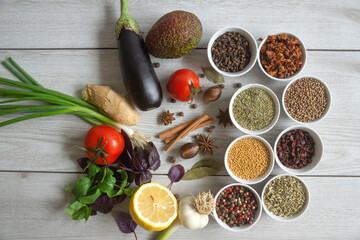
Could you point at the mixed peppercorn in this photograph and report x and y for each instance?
(236, 206)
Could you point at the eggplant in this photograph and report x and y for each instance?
(138, 74)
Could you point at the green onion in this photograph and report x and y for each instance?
(58, 103)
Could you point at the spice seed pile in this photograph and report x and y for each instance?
(230, 52)
(236, 206)
(285, 196)
(253, 109)
(248, 158)
(306, 100)
(295, 149)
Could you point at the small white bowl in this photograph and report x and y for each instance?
(260, 178)
(276, 103)
(328, 95)
(252, 44)
(303, 49)
(319, 149)
(244, 227)
(296, 216)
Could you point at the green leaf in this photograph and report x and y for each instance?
(93, 170)
(212, 75)
(129, 192)
(81, 187)
(209, 162)
(69, 189)
(107, 184)
(89, 199)
(114, 192)
(199, 172)
(73, 207)
(124, 177)
(82, 213)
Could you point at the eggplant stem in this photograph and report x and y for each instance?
(125, 21)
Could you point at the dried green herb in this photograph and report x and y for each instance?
(253, 109)
(212, 75)
(203, 168)
(285, 196)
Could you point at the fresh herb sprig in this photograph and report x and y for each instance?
(89, 188)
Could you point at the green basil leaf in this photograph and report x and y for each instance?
(82, 213)
(129, 192)
(107, 184)
(81, 187)
(89, 199)
(114, 193)
(124, 177)
(209, 162)
(73, 207)
(69, 189)
(199, 172)
(212, 75)
(93, 170)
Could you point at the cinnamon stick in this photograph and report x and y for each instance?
(204, 123)
(175, 129)
(187, 130)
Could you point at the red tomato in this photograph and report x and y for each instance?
(179, 85)
(114, 147)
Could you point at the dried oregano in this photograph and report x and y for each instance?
(285, 196)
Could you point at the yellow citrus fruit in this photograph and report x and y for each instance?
(153, 207)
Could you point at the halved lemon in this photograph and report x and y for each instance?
(153, 207)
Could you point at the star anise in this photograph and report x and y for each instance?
(167, 117)
(206, 144)
(224, 117)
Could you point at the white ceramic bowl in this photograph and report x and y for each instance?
(252, 45)
(276, 103)
(296, 216)
(260, 178)
(328, 95)
(315, 159)
(303, 49)
(244, 227)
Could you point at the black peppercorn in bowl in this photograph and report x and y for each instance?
(237, 207)
(285, 198)
(282, 56)
(298, 150)
(232, 51)
(306, 100)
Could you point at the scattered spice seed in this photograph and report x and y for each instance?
(222, 86)
(236, 206)
(157, 65)
(201, 75)
(285, 196)
(281, 56)
(172, 100)
(172, 159)
(295, 149)
(167, 118)
(238, 85)
(260, 39)
(198, 137)
(181, 114)
(209, 129)
(231, 52)
(248, 158)
(194, 106)
(306, 100)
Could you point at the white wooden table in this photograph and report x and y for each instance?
(66, 44)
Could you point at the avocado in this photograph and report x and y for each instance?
(174, 35)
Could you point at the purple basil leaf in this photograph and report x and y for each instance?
(106, 201)
(140, 159)
(128, 144)
(100, 208)
(93, 212)
(125, 223)
(143, 177)
(154, 158)
(176, 173)
(83, 162)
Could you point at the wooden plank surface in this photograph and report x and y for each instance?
(37, 211)
(57, 138)
(90, 24)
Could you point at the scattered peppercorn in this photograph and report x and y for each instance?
(231, 52)
(172, 159)
(198, 137)
(236, 206)
(281, 56)
(260, 39)
(306, 100)
(238, 85)
(201, 75)
(157, 65)
(194, 106)
(222, 86)
(181, 114)
(209, 129)
(172, 100)
(295, 149)
(248, 158)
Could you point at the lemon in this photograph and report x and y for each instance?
(153, 207)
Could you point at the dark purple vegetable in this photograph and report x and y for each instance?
(139, 77)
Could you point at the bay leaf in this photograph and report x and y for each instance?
(212, 75)
(200, 172)
(209, 162)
